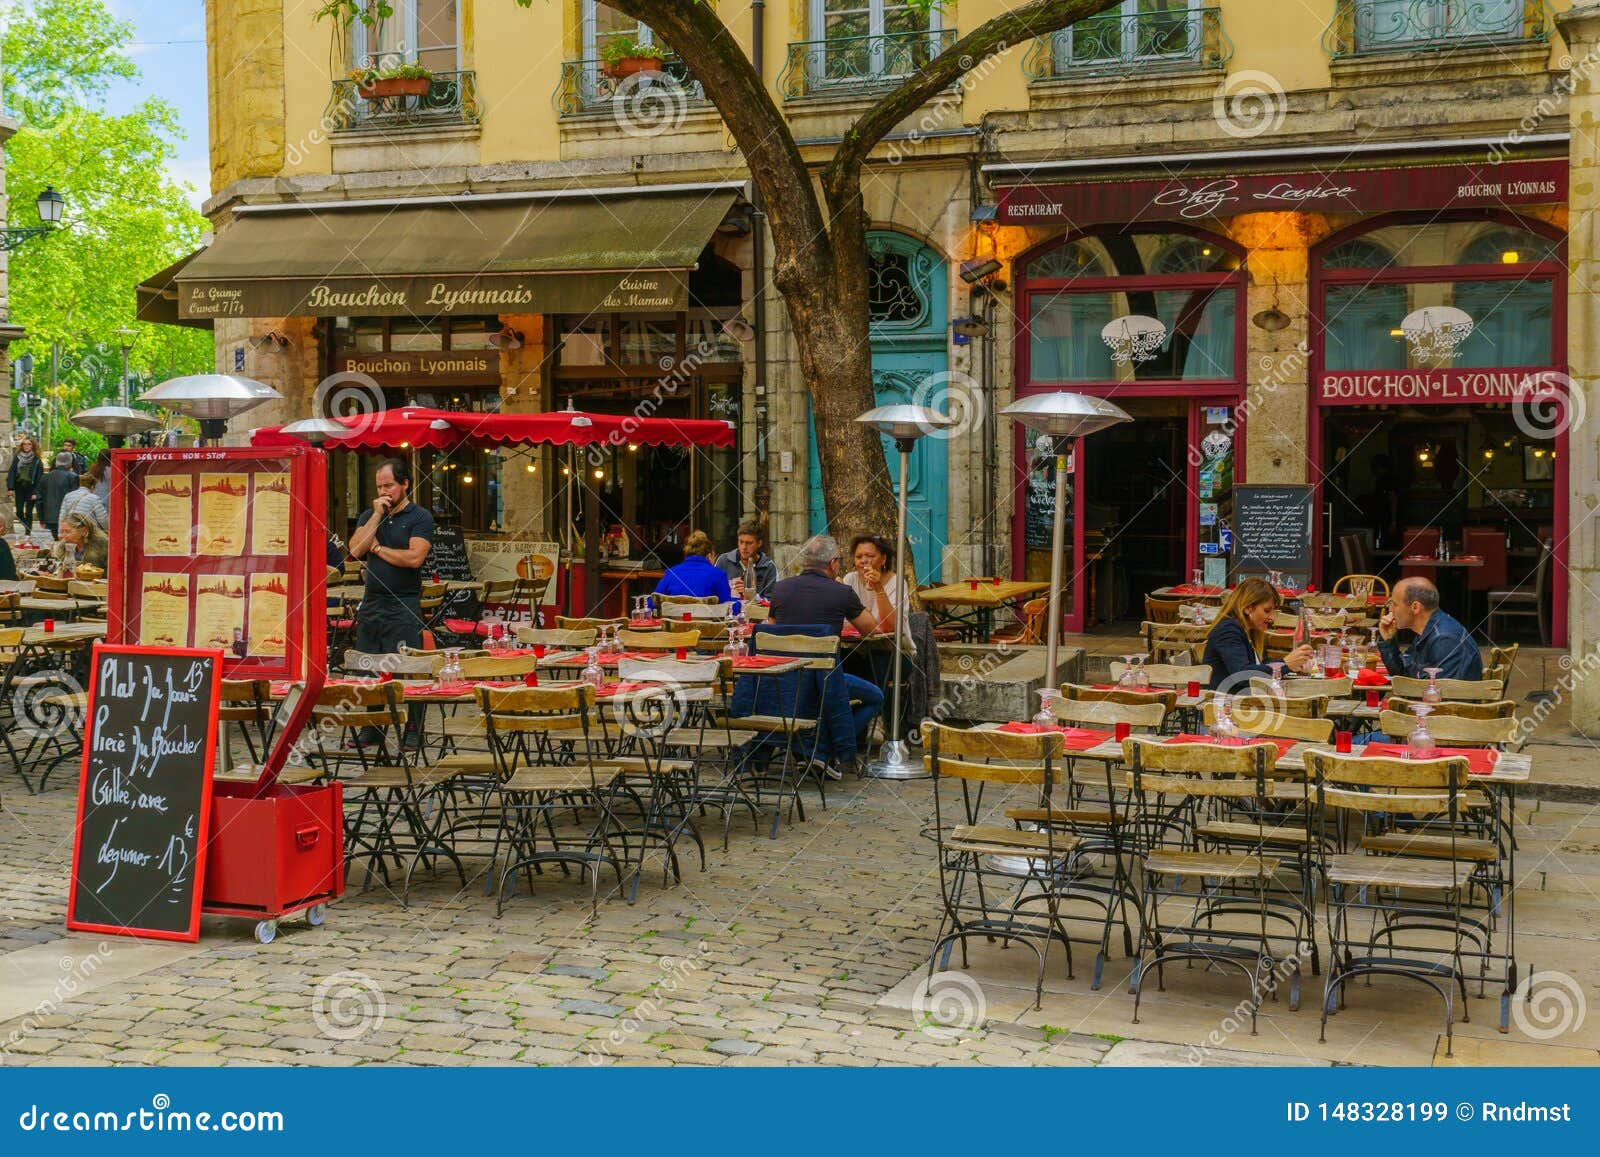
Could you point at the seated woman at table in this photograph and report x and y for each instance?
(1235, 646)
(876, 582)
(696, 576)
(79, 530)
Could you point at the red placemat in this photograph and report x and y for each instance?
(1369, 678)
(1283, 745)
(756, 662)
(1136, 690)
(610, 689)
(1075, 738)
(1480, 760)
(1191, 589)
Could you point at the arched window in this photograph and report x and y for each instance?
(1440, 294)
(1132, 306)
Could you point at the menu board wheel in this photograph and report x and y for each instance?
(266, 931)
(315, 915)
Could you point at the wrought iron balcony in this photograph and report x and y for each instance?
(1183, 40)
(587, 86)
(845, 64)
(451, 99)
(1369, 27)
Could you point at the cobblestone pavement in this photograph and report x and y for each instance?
(776, 954)
(794, 950)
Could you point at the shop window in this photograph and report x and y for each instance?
(1132, 307)
(1418, 296)
(406, 334)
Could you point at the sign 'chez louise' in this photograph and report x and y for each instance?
(635, 290)
(1192, 198)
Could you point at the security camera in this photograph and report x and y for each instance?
(978, 268)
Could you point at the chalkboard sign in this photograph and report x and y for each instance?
(144, 796)
(1040, 509)
(448, 559)
(1272, 528)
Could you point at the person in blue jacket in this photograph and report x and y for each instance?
(1414, 635)
(1237, 642)
(697, 576)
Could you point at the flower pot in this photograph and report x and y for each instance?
(632, 66)
(394, 86)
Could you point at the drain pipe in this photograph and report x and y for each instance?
(758, 301)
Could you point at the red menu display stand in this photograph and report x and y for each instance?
(224, 547)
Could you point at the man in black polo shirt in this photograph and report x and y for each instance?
(816, 596)
(394, 538)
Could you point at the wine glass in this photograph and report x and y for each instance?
(1197, 615)
(1047, 702)
(1432, 693)
(1224, 728)
(1197, 578)
(1275, 684)
(1126, 682)
(1419, 745)
(593, 673)
(1141, 679)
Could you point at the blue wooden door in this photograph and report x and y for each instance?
(910, 364)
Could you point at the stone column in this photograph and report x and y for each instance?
(522, 392)
(1581, 28)
(293, 369)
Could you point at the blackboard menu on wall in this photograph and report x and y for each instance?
(448, 560)
(1272, 529)
(1040, 509)
(144, 796)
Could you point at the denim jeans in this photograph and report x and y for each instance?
(866, 702)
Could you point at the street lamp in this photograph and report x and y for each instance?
(127, 335)
(905, 424)
(1064, 417)
(50, 204)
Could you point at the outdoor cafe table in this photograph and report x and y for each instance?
(66, 607)
(983, 601)
(1500, 783)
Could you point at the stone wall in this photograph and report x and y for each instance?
(244, 54)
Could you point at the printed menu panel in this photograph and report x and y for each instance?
(269, 607)
(269, 513)
(144, 800)
(219, 611)
(223, 513)
(168, 514)
(164, 610)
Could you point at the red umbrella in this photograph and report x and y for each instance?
(406, 428)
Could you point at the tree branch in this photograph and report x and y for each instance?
(1040, 18)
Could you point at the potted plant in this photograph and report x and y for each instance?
(623, 56)
(373, 83)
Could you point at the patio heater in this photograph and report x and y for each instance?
(1064, 418)
(905, 424)
(316, 431)
(115, 423)
(211, 399)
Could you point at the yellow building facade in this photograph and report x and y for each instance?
(1322, 247)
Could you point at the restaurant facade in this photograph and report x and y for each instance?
(1333, 256)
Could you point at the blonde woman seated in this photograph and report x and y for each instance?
(78, 529)
(1235, 646)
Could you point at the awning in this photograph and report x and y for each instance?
(158, 297)
(461, 255)
(412, 428)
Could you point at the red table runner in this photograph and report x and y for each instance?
(1480, 760)
(1075, 738)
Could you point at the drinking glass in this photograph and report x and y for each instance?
(1361, 588)
(1197, 577)
(1420, 743)
(593, 673)
(1047, 700)
(1224, 728)
(1141, 680)
(1431, 694)
(1126, 682)
(1275, 684)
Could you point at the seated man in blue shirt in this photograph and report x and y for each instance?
(696, 576)
(1416, 635)
(816, 596)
